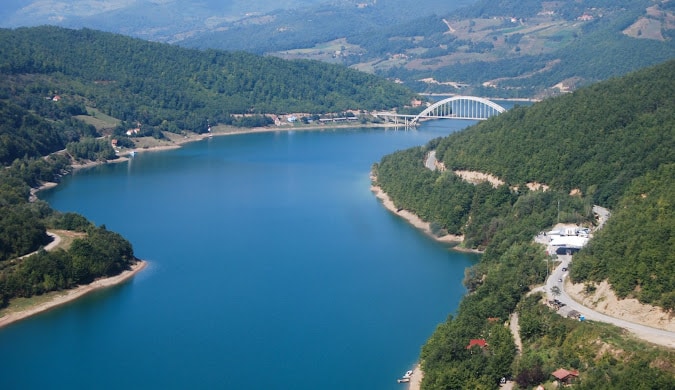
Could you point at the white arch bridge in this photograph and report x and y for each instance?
(456, 107)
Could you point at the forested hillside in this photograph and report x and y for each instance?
(304, 27)
(26, 138)
(636, 252)
(528, 48)
(536, 48)
(614, 142)
(53, 76)
(173, 21)
(596, 139)
(98, 252)
(505, 48)
(166, 87)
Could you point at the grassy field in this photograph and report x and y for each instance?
(331, 51)
(67, 237)
(21, 304)
(99, 120)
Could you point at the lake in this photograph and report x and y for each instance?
(271, 265)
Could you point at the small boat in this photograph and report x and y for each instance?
(406, 377)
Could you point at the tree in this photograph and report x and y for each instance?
(555, 290)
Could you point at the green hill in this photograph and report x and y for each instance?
(504, 48)
(536, 48)
(61, 75)
(614, 142)
(636, 252)
(596, 139)
(171, 88)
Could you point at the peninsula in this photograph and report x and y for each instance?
(16, 312)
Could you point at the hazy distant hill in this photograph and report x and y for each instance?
(507, 48)
(174, 21)
(504, 48)
(303, 28)
(159, 20)
(538, 48)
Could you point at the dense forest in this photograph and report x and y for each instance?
(168, 88)
(52, 78)
(637, 265)
(596, 139)
(613, 142)
(28, 140)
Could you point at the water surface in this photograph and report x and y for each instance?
(271, 265)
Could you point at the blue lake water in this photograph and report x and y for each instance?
(271, 266)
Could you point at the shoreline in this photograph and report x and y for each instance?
(418, 374)
(416, 378)
(175, 141)
(419, 223)
(72, 294)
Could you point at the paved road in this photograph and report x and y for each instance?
(558, 277)
(654, 335)
(56, 240)
(602, 215)
(431, 160)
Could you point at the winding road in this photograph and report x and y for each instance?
(430, 161)
(654, 335)
(56, 240)
(558, 277)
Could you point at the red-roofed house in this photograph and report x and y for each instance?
(479, 342)
(565, 376)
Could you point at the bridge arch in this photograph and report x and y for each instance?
(461, 107)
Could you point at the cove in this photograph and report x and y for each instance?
(271, 265)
